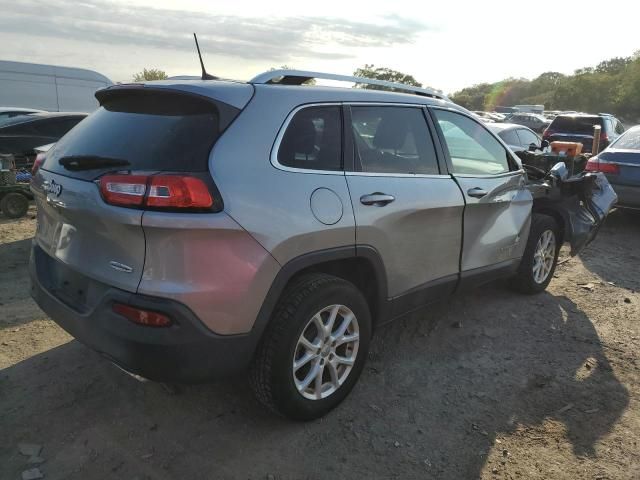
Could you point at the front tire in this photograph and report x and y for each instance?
(540, 256)
(314, 348)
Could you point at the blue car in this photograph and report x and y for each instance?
(620, 162)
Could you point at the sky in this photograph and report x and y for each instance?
(447, 45)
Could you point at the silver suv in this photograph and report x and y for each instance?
(193, 229)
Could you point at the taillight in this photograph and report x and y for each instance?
(596, 165)
(124, 190)
(177, 191)
(37, 163)
(147, 318)
(156, 191)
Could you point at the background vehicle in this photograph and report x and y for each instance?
(48, 87)
(505, 110)
(534, 121)
(579, 128)
(517, 137)
(14, 200)
(485, 117)
(19, 135)
(8, 112)
(620, 162)
(530, 108)
(177, 193)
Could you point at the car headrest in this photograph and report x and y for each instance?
(300, 137)
(391, 132)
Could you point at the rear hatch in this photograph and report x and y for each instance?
(574, 129)
(140, 132)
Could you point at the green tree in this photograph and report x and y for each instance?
(386, 74)
(611, 86)
(614, 65)
(150, 74)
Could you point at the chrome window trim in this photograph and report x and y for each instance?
(386, 104)
(498, 175)
(281, 132)
(399, 175)
(273, 158)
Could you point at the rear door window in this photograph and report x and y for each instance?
(150, 131)
(313, 139)
(472, 149)
(527, 138)
(608, 125)
(389, 139)
(510, 137)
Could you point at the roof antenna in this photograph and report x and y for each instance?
(205, 75)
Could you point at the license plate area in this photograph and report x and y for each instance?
(74, 289)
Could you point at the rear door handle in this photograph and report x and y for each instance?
(476, 192)
(378, 199)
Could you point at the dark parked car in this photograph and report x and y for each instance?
(579, 128)
(534, 121)
(8, 112)
(517, 137)
(19, 135)
(620, 162)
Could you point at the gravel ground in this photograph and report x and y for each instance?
(490, 384)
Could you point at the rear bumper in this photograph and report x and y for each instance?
(628, 195)
(185, 352)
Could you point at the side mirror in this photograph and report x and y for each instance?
(533, 147)
(545, 144)
(560, 171)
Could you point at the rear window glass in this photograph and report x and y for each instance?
(7, 121)
(313, 140)
(580, 125)
(144, 131)
(630, 141)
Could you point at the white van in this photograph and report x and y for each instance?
(47, 87)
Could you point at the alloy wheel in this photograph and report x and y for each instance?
(326, 352)
(544, 256)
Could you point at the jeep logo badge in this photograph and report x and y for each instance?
(53, 188)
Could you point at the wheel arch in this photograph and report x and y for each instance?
(356, 264)
(547, 208)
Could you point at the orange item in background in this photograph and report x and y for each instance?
(568, 149)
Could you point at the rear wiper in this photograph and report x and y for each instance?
(91, 162)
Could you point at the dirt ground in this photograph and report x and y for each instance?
(491, 384)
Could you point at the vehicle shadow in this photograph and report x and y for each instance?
(15, 298)
(616, 250)
(432, 402)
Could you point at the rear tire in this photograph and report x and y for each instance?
(14, 205)
(540, 256)
(302, 342)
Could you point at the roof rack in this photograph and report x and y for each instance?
(298, 77)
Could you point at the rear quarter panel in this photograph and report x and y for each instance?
(273, 205)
